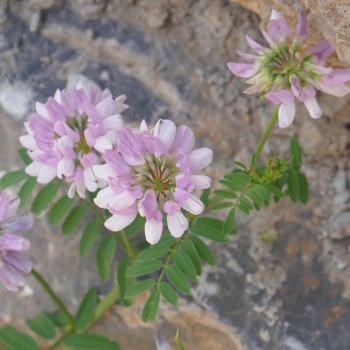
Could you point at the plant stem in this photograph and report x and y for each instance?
(129, 248)
(53, 296)
(59, 341)
(105, 304)
(264, 137)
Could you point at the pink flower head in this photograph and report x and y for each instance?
(13, 266)
(281, 74)
(67, 135)
(153, 174)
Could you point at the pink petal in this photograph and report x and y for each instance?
(256, 88)
(321, 51)
(278, 27)
(268, 38)
(165, 130)
(279, 97)
(302, 27)
(247, 56)
(336, 77)
(338, 91)
(286, 114)
(201, 181)
(256, 47)
(313, 107)
(177, 224)
(153, 231)
(243, 70)
(295, 85)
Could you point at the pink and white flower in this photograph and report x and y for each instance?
(67, 135)
(153, 173)
(13, 266)
(281, 74)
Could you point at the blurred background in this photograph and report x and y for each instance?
(291, 292)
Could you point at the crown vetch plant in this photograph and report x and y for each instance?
(149, 181)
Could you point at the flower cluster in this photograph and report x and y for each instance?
(12, 265)
(281, 74)
(67, 135)
(152, 173)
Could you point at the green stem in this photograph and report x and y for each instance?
(60, 340)
(129, 248)
(264, 137)
(105, 304)
(53, 296)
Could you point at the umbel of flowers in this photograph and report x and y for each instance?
(67, 135)
(153, 173)
(282, 73)
(13, 266)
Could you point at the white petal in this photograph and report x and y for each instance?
(89, 180)
(286, 114)
(103, 172)
(46, 174)
(201, 181)
(200, 158)
(193, 204)
(104, 197)
(165, 130)
(153, 231)
(42, 111)
(118, 222)
(102, 144)
(177, 224)
(313, 107)
(123, 200)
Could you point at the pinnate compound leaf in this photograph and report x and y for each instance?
(90, 234)
(243, 208)
(12, 178)
(168, 293)
(177, 279)
(209, 228)
(185, 264)
(15, 340)
(205, 197)
(86, 309)
(60, 209)
(88, 341)
(203, 250)
(42, 325)
(24, 156)
(223, 205)
(104, 256)
(293, 185)
(303, 188)
(124, 281)
(144, 268)
(192, 252)
(26, 190)
(58, 319)
(150, 309)
(140, 288)
(225, 194)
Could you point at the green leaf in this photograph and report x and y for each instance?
(203, 250)
(274, 190)
(15, 340)
(209, 228)
(135, 227)
(140, 288)
(295, 153)
(246, 203)
(86, 309)
(230, 222)
(90, 234)
(150, 309)
(166, 241)
(243, 209)
(104, 256)
(192, 252)
(124, 282)
(60, 209)
(185, 264)
(205, 197)
(44, 197)
(144, 268)
(222, 206)
(254, 197)
(74, 219)
(58, 319)
(12, 178)
(24, 156)
(153, 252)
(303, 188)
(88, 341)
(293, 185)
(168, 293)
(225, 194)
(42, 325)
(177, 279)
(26, 190)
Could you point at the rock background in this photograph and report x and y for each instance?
(169, 58)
